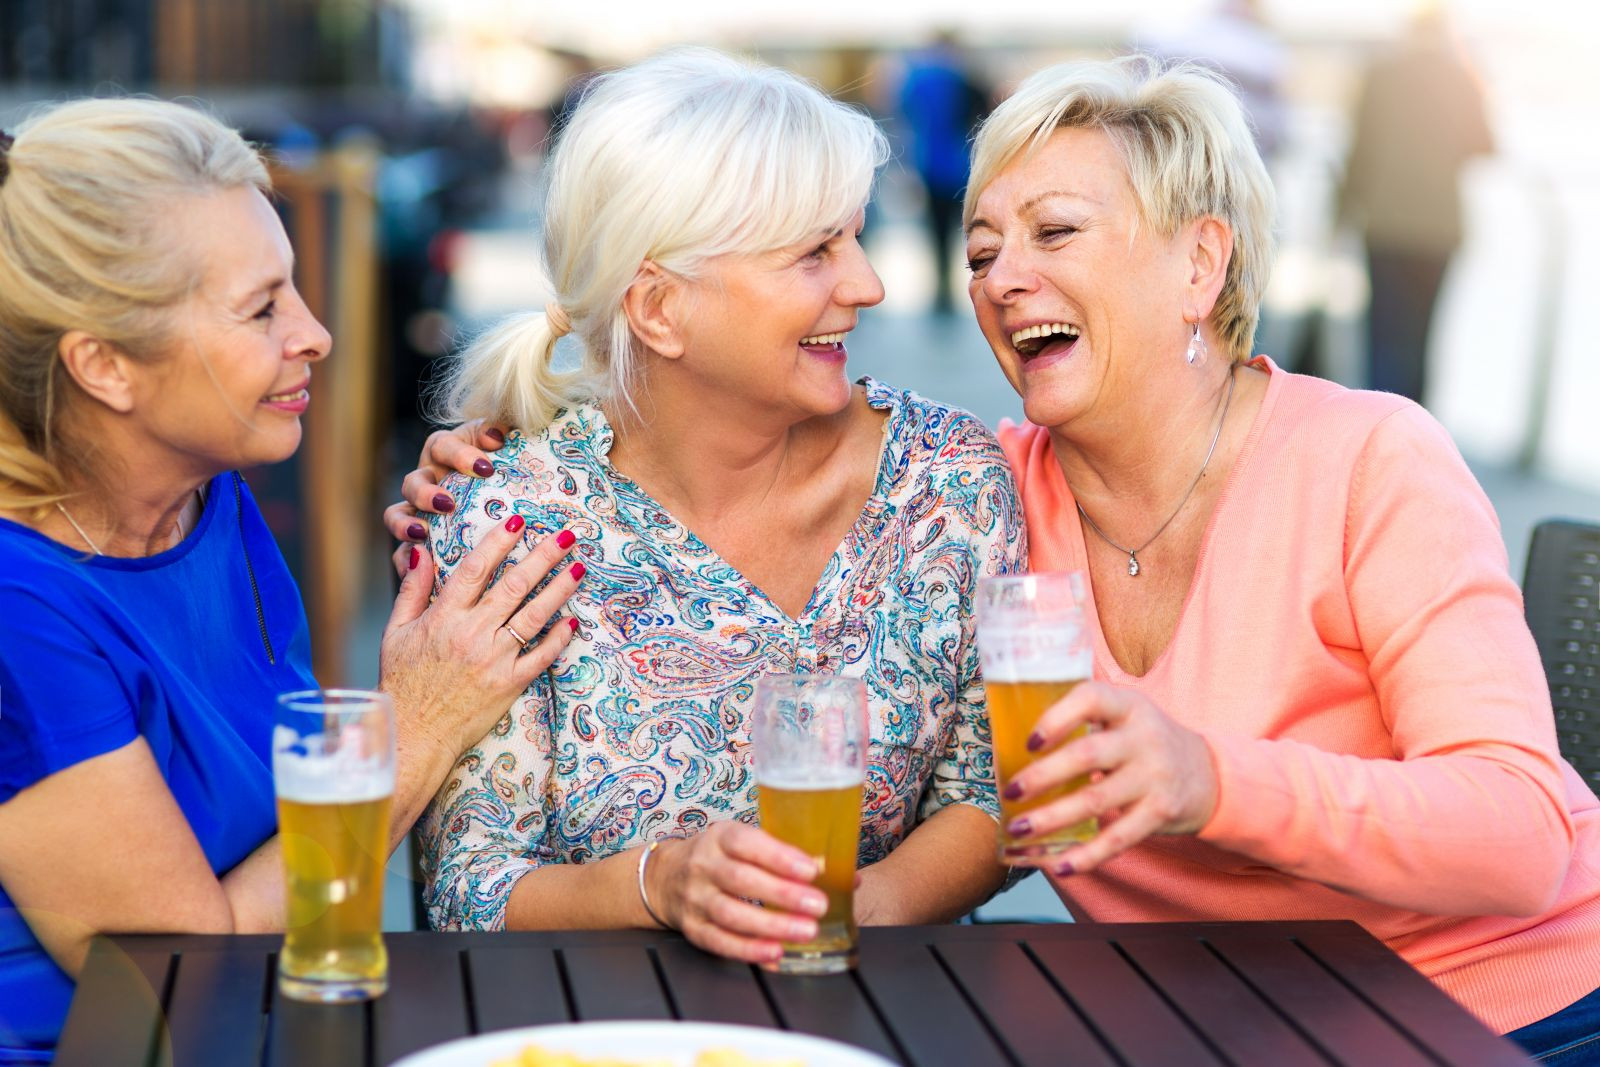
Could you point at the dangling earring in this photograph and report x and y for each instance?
(1196, 354)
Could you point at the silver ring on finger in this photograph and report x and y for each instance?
(518, 638)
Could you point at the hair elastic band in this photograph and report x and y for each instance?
(560, 321)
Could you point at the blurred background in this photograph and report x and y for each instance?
(1438, 221)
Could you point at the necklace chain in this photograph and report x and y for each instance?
(1133, 553)
(65, 514)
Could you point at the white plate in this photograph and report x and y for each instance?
(678, 1043)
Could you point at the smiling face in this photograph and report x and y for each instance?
(1078, 297)
(769, 327)
(231, 390)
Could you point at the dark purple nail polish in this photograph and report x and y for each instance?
(416, 532)
(442, 503)
(1066, 870)
(1020, 827)
(1035, 741)
(565, 538)
(499, 437)
(482, 468)
(1012, 791)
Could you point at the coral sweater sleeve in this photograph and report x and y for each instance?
(1468, 816)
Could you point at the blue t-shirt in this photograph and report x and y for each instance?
(96, 651)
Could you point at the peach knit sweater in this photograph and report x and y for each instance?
(1354, 652)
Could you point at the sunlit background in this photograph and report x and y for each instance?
(408, 138)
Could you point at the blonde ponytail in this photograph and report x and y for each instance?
(506, 375)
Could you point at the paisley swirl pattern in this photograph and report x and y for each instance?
(640, 729)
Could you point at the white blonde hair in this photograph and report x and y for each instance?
(85, 225)
(677, 160)
(1187, 148)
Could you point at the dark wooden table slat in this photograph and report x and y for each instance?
(1036, 1025)
(1128, 1014)
(215, 1011)
(116, 1014)
(516, 987)
(426, 1002)
(1343, 1025)
(930, 1018)
(315, 1035)
(1231, 1016)
(710, 989)
(610, 982)
(1408, 999)
(833, 1006)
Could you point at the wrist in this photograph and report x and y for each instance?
(652, 881)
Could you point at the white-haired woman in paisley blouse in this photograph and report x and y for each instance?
(740, 508)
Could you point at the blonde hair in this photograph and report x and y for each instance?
(90, 190)
(681, 158)
(1188, 152)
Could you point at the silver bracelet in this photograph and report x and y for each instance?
(644, 859)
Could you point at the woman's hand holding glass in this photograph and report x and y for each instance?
(707, 886)
(1150, 775)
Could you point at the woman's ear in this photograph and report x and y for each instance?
(1209, 252)
(655, 303)
(99, 368)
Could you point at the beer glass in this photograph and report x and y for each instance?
(333, 767)
(1033, 645)
(810, 736)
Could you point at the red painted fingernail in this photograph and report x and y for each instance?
(1012, 791)
(1021, 827)
(574, 624)
(417, 532)
(496, 434)
(416, 557)
(482, 468)
(577, 571)
(1035, 742)
(442, 502)
(515, 523)
(565, 538)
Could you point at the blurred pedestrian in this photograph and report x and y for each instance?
(940, 103)
(1420, 119)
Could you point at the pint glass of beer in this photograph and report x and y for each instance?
(333, 766)
(1034, 648)
(810, 736)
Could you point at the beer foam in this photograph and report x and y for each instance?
(339, 778)
(1062, 669)
(805, 779)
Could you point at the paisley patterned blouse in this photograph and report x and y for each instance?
(639, 729)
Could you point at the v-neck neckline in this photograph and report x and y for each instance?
(1113, 670)
(879, 397)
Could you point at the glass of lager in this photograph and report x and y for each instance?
(810, 736)
(1034, 648)
(333, 766)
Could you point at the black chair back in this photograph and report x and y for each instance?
(1560, 592)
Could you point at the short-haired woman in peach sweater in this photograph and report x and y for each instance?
(1316, 695)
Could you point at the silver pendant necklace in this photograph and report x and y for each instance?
(65, 514)
(1133, 553)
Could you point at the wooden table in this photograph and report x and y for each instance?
(1191, 994)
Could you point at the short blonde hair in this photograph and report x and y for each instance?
(84, 216)
(1188, 151)
(681, 158)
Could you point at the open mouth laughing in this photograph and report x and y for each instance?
(1046, 339)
